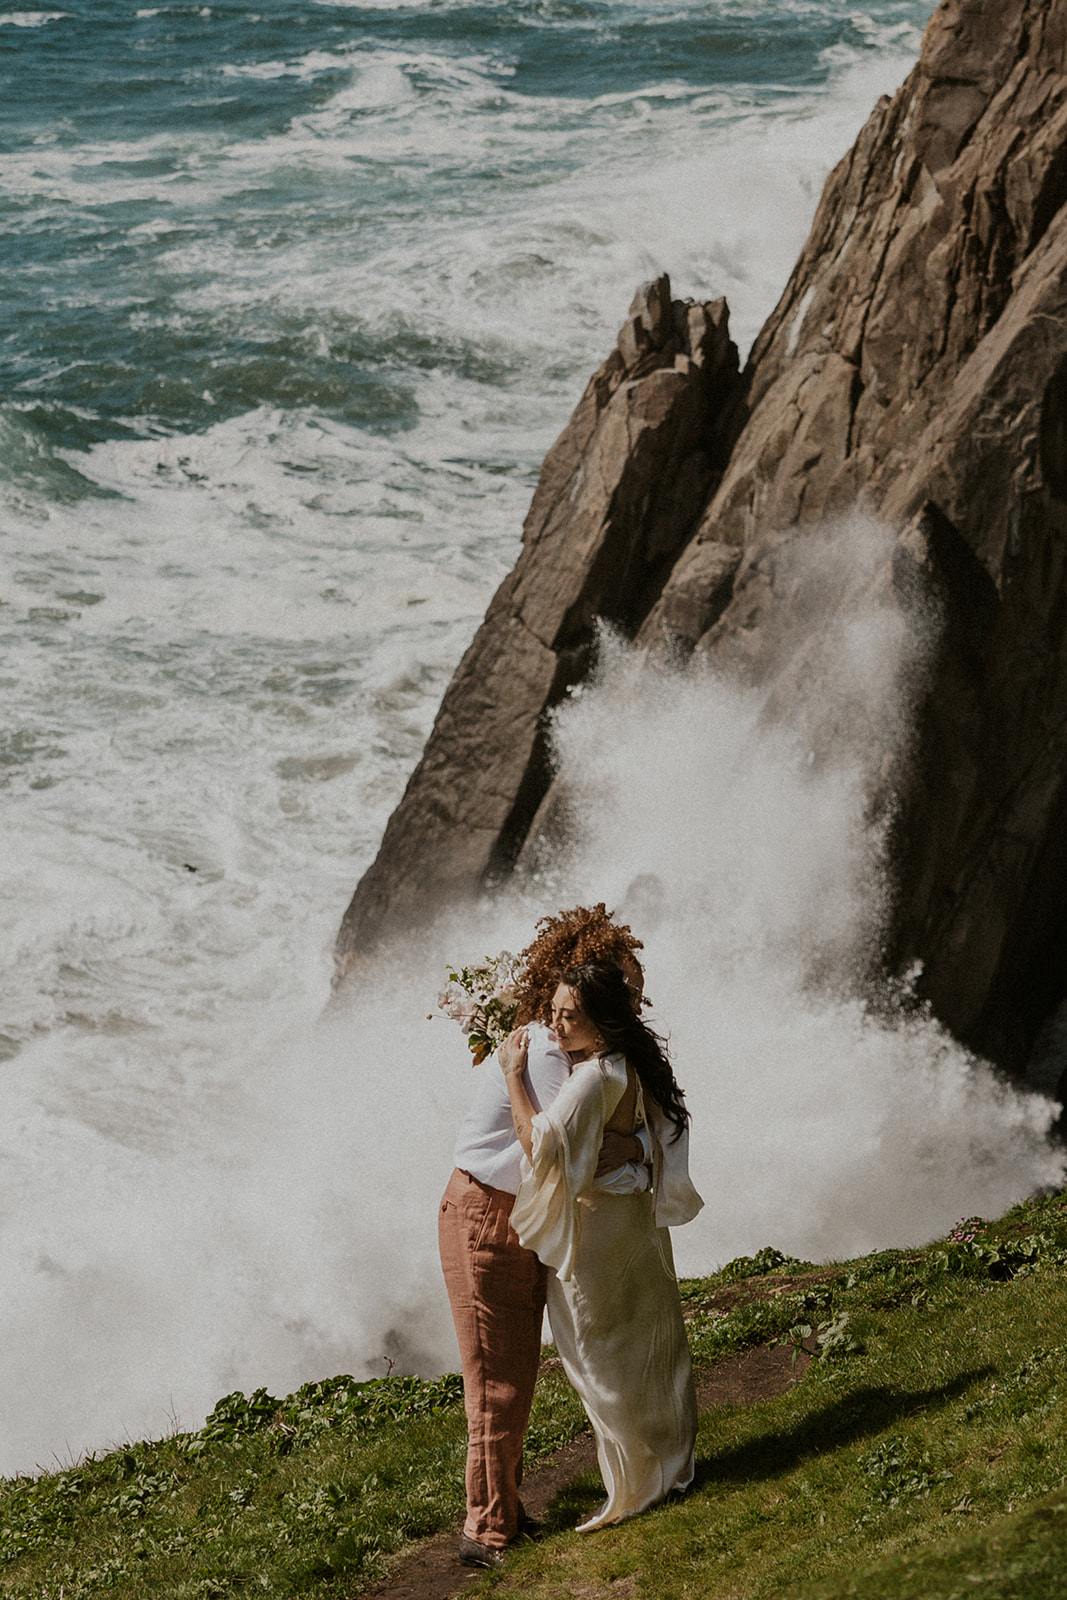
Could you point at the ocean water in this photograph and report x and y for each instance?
(296, 298)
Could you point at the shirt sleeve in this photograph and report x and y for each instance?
(547, 1066)
(566, 1143)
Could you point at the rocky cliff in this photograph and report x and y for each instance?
(618, 496)
(915, 365)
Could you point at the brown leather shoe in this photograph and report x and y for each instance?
(473, 1554)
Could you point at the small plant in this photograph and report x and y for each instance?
(764, 1261)
(234, 1416)
(831, 1338)
(897, 1472)
(999, 1259)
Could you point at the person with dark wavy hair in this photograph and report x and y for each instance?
(496, 1288)
(613, 1299)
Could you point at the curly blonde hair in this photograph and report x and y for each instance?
(570, 939)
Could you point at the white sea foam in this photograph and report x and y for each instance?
(234, 1192)
(218, 678)
(659, 178)
(30, 19)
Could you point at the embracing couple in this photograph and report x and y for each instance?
(570, 1167)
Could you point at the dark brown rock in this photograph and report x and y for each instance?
(915, 368)
(701, 586)
(917, 365)
(618, 496)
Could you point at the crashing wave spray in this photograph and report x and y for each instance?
(734, 827)
(287, 1230)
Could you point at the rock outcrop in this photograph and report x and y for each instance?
(916, 365)
(618, 496)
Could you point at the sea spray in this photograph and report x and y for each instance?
(301, 317)
(743, 831)
(196, 1232)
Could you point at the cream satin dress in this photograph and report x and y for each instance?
(613, 1298)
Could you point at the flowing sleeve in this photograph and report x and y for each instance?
(674, 1198)
(548, 1068)
(566, 1145)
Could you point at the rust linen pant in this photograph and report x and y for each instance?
(497, 1293)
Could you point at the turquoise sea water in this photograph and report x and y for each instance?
(296, 296)
(207, 209)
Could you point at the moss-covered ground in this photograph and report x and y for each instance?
(924, 1454)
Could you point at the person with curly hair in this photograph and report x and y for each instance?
(571, 939)
(613, 1299)
(496, 1287)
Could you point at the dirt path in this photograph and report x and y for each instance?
(432, 1572)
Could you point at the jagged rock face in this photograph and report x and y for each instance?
(951, 190)
(618, 496)
(918, 358)
(916, 366)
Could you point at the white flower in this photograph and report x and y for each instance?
(483, 999)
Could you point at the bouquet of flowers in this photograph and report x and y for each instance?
(483, 1000)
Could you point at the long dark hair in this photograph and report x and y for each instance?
(608, 1002)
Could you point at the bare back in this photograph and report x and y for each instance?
(624, 1118)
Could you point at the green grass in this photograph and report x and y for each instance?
(923, 1454)
(261, 1498)
(310, 1495)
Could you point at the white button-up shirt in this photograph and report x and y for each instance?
(487, 1146)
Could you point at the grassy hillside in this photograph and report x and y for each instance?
(924, 1454)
